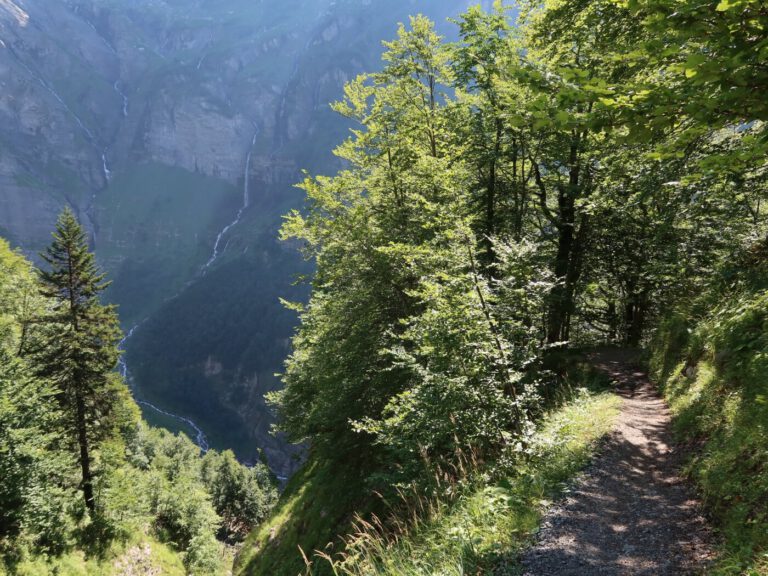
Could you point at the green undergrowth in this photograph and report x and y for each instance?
(480, 528)
(714, 374)
(138, 555)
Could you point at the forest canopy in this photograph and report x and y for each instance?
(565, 179)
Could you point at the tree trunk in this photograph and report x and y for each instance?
(570, 248)
(560, 297)
(634, 318)
(490, 200)
(85, 457)
(613, 321)
(556, 318)
(490, 215)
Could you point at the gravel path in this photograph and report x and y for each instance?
(630, 513)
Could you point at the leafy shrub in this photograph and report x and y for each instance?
(242, 496)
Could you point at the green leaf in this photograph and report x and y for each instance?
(725, 5)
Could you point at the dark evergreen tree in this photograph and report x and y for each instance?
(79, 349)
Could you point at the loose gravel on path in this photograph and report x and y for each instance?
(630, 513)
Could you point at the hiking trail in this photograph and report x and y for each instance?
(630, 512)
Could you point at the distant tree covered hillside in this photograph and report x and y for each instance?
(87, 487)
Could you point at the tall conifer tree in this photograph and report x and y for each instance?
(80, 348)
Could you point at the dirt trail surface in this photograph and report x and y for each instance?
(630, 513)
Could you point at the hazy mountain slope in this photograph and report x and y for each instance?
(147, 117)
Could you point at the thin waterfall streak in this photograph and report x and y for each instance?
(246, 203)
(122, 95)
(105, 166)
(122, 368)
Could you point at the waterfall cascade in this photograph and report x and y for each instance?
(246, 202)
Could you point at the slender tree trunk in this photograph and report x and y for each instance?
(612, 321)
(490, 216)
(570, 247)
(491, 198)
(80, 415)
(85, 457)
(517, 190)
(432, 103)
(559, 297)
(634, 318)
(575, 266)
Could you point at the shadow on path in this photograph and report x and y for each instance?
(630, 513)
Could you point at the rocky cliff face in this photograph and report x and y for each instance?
(154, 120)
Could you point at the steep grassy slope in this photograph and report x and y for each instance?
(491, 513)
(317, 506)
(714, 372)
